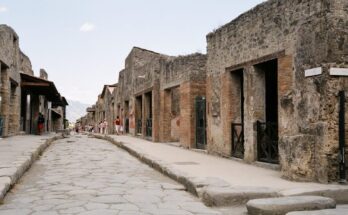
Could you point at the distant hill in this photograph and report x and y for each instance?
(75, 110)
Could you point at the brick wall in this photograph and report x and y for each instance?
(188, 92)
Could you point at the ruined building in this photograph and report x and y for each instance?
(273, 86)
(155, 97)
(22, 95)
(270, 90)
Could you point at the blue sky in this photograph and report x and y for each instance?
(82, 44)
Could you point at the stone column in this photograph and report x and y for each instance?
(5, 100)
(254, 89)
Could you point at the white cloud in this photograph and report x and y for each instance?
(87, 27)
(3, 9)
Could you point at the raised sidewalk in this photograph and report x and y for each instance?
(17, 155)
(221, 181)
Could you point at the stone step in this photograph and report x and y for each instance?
(339, 211)
(338, 193)
(232, 196)
(284, 205)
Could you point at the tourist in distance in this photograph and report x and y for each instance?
(40, 123)
(117, 125)
(105, 124)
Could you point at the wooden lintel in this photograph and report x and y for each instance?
(33, 84)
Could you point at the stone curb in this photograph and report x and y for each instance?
(164, 169)
(339, 194)
(6, 182)
(204, 188)
(234, 196)
(215, 192)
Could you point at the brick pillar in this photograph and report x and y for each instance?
(137, 112)
(165, 118)
(188, 92)
(285, 82)
(156, 103)
(185, 115)
(228, 104)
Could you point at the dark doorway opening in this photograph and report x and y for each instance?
(148, 114)
(237, 126)
(126, 116)
(267, 130)
(139, 114)
(201, 123)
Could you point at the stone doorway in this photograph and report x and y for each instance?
(267, 126)
(148, 114)
(171, 115)
(343, 137)
(139, 115)
(237, 125)
(126, 117)
(201, 124)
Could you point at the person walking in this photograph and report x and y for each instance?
(40, 123)
(117, 125)
(121, 126)
(105, 126)
(101, 125)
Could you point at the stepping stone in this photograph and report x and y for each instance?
(338, 193)
(232, 196)
(283, 205)
(339, 211)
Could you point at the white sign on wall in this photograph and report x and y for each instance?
(313, 72)
(339, 71)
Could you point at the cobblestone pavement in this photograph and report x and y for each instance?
(81, 175)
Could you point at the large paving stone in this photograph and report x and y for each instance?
(90, 176)
(339, 211)
(231, 196)
(283, 205)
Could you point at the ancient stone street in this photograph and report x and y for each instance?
(82, 175)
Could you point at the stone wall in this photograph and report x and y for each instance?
(176, 70)
(43, 74)
(26, 66)
(140, 91)
(299, 35)
(13, 108)
(10, 64)
(182, 79)
(140, 77)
